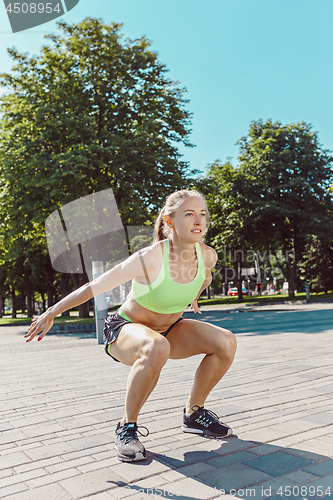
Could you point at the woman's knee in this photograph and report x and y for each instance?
(156, 351)
(226, 343)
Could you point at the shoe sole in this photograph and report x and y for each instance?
(206, 433)
(123, 458)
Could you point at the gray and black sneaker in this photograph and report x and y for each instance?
(206, 423)
(128, 446)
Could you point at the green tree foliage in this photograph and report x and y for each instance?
(90, 112)
(317, 265)
(227, 231)
(280, 195)
(286, 179)
(3, 277)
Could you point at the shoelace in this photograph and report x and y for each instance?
(127, 435)
(207, 414)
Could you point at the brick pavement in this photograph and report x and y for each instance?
(61, 398)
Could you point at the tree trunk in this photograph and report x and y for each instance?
(23, 303)
(64, 289)
(84, 310)
(32, 302)
(29, 300)
(238, 270)
(79, 280)
(291, 293)
(13, 303)
(44, 302)
(1, 306)
(50, 301)
(291, 275)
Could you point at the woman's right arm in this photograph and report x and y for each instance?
(125, 271)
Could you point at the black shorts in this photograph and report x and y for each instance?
(114, 323)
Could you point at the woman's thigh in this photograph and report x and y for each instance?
(134, 341)
(190, 337)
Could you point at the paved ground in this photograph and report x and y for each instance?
(61, 398)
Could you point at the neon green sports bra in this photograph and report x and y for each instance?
(164, 295)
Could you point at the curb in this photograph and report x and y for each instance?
(91, 327)
(288, 302)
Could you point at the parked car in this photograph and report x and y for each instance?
(234, 291)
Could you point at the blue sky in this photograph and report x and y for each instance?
(240, 60)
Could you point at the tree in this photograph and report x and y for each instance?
(3, 278)
(280, 195)
(286, 177)
(228, 232)
(91, 111)
(317, 265)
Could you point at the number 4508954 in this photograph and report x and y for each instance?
(33, 8)
(304, 491)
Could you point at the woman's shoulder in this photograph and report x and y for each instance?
(148, 260)
(209, 255)
(152, 252)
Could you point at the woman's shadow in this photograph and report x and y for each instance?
(246, 469)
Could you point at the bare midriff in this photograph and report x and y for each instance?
(155, 321)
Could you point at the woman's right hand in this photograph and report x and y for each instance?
(195, 307)
(42, 323)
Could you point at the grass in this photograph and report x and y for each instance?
(62, 320)
(264, 299)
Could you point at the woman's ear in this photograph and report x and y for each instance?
(167, 220)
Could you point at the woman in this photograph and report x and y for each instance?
(149, 327)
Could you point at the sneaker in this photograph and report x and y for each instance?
(128, 446)
(205, 422)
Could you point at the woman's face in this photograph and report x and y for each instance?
(189, 221)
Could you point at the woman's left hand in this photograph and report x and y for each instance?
(39, 325)
(195, 307)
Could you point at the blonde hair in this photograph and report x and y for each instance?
(173, 201)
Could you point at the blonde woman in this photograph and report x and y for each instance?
(149, 328)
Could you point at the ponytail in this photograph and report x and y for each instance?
(159, 227)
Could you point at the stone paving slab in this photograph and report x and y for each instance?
(60, 400)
